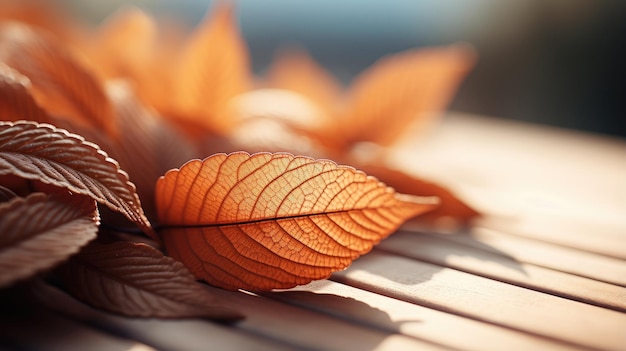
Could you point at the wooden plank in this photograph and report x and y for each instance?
(555, 257)
(364, 307)
(183, 334)
(488, 300)
(607, 239)
(47, 331)
(474, 258)
(269, 325)
(548, 184)
(313, 330)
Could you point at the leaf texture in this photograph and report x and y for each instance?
(54, 156)
(40, 231)
(138, 280)
(61, 84)
(269, 221)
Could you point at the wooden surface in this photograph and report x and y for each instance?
(544, 270)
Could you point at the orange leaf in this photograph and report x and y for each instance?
(54, 156)
(17, 103)
(40, 231)
(269, 221)
(138, 280)
(296, 71)
(47, 15)
(452, 209)
(124, 44)
(400, 89)
(213, 69)
(60, 83)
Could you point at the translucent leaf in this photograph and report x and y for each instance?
(61, 84)
(271, 221)
(54, 156)
(40, 231)
(138, 280)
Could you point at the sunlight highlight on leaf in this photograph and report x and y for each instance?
(268, 221)
(40, 231)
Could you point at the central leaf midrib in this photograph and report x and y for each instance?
(262, 220)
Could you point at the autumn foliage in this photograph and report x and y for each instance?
(106, 183)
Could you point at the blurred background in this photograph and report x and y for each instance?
(555, 62)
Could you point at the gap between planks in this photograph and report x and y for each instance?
(487, 300)
(471, 255)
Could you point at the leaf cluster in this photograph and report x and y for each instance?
(85, 111)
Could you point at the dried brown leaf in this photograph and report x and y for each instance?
(61, 84)
(40, 231)
(138, 280)
(269, 221)
(54, 156)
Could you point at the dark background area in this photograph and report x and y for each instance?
(556, 62)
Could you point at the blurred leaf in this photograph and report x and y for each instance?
(6, 194)
(16, 101)
(296, 71)
(400, 89)
(213, 69)
(61, 84)
(123, 44)
(148, 146)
